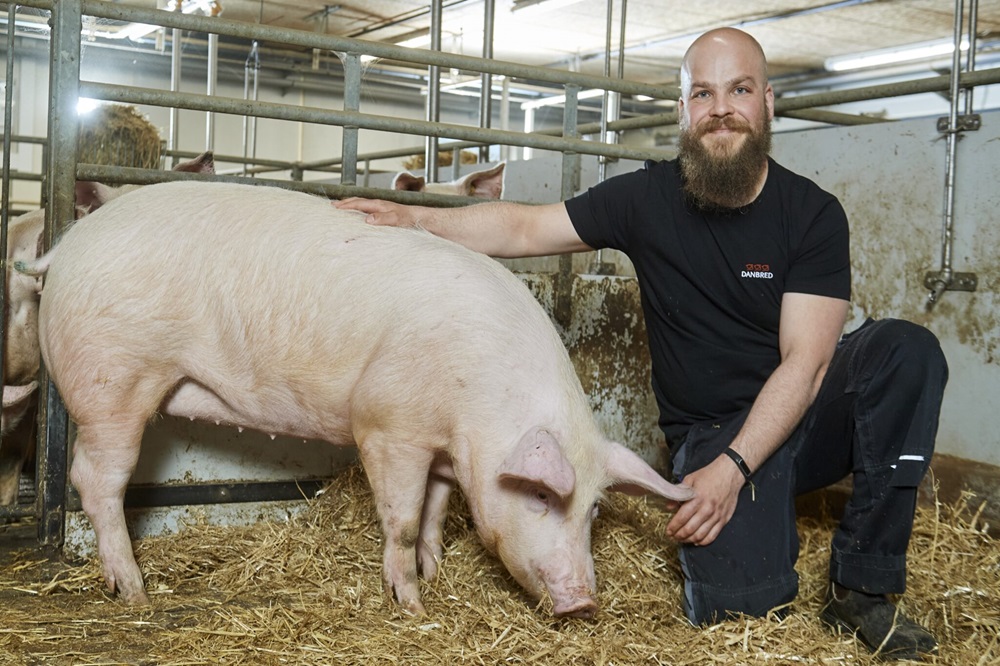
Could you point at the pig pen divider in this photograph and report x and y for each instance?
(62, 169)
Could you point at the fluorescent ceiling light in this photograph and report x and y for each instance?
(891, 56)
(526, 7)
(559, 99)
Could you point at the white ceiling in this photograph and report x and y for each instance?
(797, 35)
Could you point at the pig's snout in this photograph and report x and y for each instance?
(584, 608)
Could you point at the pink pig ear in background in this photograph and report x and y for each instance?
(631, 475)
(538, 459)
(408, 182)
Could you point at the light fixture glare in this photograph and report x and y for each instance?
(892, 56)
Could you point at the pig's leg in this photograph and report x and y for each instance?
(430, 546)
(398, 477)
(104, 456)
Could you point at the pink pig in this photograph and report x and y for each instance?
(484, 184)
(21, 358)
(272, 310)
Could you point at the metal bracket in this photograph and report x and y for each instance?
(965, 123)
(959, 281)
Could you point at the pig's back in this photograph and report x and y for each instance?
(256, 282)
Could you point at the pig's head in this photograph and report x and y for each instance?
(546, 499)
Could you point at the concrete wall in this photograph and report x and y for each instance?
(890, 179)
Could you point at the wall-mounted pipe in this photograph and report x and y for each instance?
(945, 278)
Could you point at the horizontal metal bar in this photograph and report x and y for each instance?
(110, 175)
(314, 40)
(832, 117)
(17, 511)
(165, 495)
(17, 138)
(901, 89)
(243, 107)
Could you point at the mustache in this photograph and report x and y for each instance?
(731, 124)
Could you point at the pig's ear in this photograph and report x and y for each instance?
(538, 459)
(487, 184)
(407, 181)
(91, 195)
(204, 163)
(631, 475)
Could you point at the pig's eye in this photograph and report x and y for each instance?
(540, 499)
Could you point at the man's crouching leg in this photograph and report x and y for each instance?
(750, 567)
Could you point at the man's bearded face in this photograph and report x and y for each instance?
(721, 172)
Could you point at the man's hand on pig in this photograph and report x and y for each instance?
(382, 213)
(699, 520)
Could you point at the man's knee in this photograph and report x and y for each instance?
(913, 350)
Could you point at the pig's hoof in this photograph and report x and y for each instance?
(132, 596)
(413, 607)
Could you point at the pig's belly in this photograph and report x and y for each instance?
(191, 400)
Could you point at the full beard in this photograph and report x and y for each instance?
(723, 178)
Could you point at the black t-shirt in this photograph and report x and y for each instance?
(712, 284)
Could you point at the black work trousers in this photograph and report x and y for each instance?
(875, 418)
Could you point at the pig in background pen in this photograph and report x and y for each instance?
(435, 361)
(483, 184)
(22, 357)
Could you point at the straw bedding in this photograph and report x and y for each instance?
(308, 591)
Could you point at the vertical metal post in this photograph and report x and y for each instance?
(563, 302)
(251, 70)
(213, 77)
(610, 112)
(175, 86)
(505, 151)
(5, 185)
(486, 79)
(433, 96)
(970, 59)
(64, 90)
(352, 102)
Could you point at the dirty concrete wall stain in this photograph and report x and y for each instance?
(891, 183)
(607, 343)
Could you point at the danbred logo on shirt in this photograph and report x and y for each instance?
(758, 271)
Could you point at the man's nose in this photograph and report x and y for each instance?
(721, 106)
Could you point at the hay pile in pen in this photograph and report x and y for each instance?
(308, 591)
(118, 135)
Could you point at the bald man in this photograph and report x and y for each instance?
(744, 271)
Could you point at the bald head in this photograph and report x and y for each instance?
(724, 45)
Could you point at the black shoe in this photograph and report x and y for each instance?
(878, 623)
